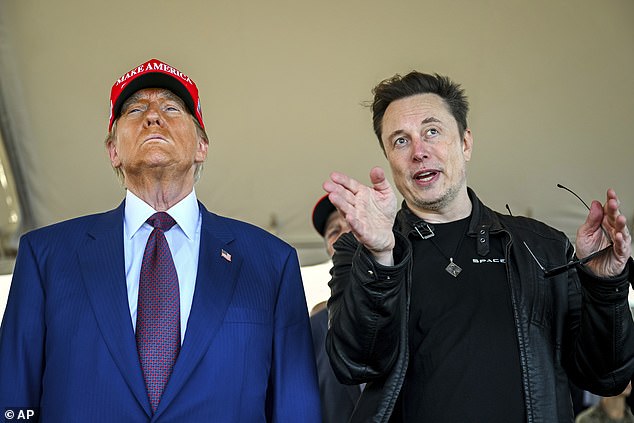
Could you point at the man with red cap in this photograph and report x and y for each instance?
(158, 310)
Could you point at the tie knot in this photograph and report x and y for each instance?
(162, 221)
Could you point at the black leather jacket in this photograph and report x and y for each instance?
(570, 326)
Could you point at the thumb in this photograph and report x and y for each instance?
(377, 177)
(595, 216)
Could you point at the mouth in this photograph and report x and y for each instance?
(425, 175)
(154, 137)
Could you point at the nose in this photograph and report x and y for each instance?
(420, 150)
(153, 116)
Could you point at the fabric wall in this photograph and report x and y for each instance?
(283, 84)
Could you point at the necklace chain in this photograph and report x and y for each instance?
(452, 268)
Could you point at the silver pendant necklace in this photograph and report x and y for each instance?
(452, 268)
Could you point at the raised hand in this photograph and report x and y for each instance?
(370, 211)
(591, 237)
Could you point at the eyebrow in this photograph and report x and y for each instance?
(430, 119)
(165, 93)
(423, 122)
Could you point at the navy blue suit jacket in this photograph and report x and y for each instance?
(67, 343)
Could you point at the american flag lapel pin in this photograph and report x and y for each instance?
(225, 255)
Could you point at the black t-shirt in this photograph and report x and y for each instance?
(464, 361)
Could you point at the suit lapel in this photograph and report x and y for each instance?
(103, 272)
(215, 283)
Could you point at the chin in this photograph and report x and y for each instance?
(429, 202)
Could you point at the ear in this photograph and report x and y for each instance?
(201, 152)
(113, 154)
(467, 144)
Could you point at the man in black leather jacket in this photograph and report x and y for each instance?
(451, 312)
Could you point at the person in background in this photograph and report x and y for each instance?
(452, 312)
(609, 410)
(337, 400)
(158, 310)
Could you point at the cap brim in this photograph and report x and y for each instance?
(154, 80)
(322, 211)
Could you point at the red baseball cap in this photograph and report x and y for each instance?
(154, 74)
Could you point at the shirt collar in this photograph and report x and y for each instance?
(186, 214)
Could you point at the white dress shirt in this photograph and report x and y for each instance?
(184, 242)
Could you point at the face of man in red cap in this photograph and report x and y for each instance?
(156, 134)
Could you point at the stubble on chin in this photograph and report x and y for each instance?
(435, 204)
(438, 204)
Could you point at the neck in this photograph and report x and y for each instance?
(160, 194)
(458, 208)
(614, 407)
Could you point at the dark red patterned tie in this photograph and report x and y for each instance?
(158, 310)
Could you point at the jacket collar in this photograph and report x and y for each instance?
(483, 222)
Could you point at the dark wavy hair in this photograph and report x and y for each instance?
(414, 83)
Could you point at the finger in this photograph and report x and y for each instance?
(344, 201)
(613, 202)
(329, 186)
(340, 184)
(611, 215)
(622, 246)
(338, 195)
(621, 228)
(612, 212)
(347, 182)
(377, 177)
(612, 205)
(611, 195)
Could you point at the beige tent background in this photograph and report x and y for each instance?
(282, 84)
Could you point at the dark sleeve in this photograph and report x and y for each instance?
(366, 309)
(318, 329)
(602, 360)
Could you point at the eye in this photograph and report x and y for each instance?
(432, 132)
(171, 107)
(334, 232)
(400, 141)
(132, 109)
